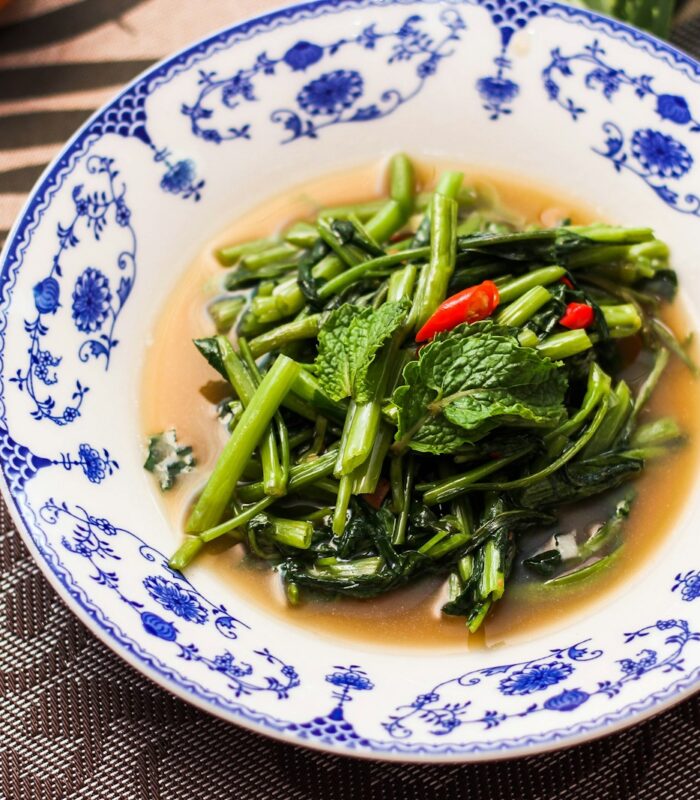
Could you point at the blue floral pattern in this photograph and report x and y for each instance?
(333, 728)
(535, 678)
(674, 108)
(94, 464)
(660, 154)
(91, 300)
(181, 602)
(46, 295)
(181, 179)
(448, 705)
(349, 678)
(302, 56)
(452, 703)
(102, 545)
(689, 585)
(497, 93)
(21, 464)
(601, 75)
(127, 117)
(331, 93)
(334, 95)
(44, 361)
(568, 700)
(157, 626)
(93, 303)
(657, 157)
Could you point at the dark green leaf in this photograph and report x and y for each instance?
(305, 280)
(242, 278)
(544, 563)
(167, 459)
(551, 245)
(209, 348)
(581, 479)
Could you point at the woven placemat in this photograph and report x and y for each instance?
(75, 721)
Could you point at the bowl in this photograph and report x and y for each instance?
(581, 103)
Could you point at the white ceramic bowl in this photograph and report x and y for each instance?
(581, 103)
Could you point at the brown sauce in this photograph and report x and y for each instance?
(178, 388)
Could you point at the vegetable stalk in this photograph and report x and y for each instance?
(435, 276)
(244, 439)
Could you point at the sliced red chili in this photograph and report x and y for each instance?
(567, 282)
(469, 305)
(400, 236)
(377, 497)
(578, 315)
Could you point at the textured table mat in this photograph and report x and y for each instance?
(75, 721)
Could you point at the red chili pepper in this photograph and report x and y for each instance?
(567, 282)
(578, 315)
(400, 236)
(377, 497)
(469, 305)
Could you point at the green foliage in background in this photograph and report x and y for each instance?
(651, 15)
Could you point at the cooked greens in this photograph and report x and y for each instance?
(167, 458)
(414, 384)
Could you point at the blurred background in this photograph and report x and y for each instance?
(61, 59)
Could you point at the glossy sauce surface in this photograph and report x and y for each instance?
(180, 390)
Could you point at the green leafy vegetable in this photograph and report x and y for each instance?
(348, 344)
(652, 15)
(167, 458)
(211, 351)
(471, 380)
(544, 563)
(481, 579)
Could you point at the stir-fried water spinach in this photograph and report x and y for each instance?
(415, 383)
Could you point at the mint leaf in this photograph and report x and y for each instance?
(471, 380)
(348, 344)
(338, 340)
(167, 459)
(428, 434)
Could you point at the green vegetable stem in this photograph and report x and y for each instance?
(245, 437)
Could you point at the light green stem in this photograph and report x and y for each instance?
(565, 345)
(516, 287)
(239, 448)
(305, 328)
(525, 307)
(435, 276)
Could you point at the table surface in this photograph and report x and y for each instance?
(75, 721)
